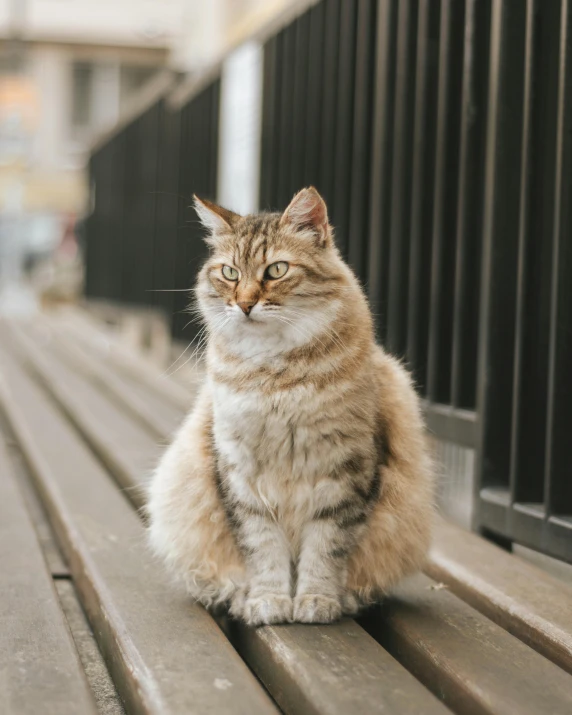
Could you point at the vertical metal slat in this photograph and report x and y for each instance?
(445, 202)
(361, 144)
(401, 178)
(498, 277)
(344, 123)
(469, 215)
(421, 194)
(313, 101)
(557, 466)
(301, 72)
(382, 154)
(329, 102)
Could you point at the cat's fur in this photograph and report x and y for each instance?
(300, 485)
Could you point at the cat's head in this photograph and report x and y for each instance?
(271, 277)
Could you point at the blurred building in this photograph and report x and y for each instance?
(68, 70)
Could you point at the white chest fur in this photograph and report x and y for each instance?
(276, 448)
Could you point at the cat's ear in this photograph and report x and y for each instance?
(214, 218)
(307, 212)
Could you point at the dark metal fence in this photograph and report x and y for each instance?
(439, 132)
(143, 243)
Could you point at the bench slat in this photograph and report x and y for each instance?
(40, 670)
(90, 333)
(526, 601)
(296, 663)
(472, 663)
(165, 654)
(335, 669)
(52, 556)
(143, 406)
(125, 447)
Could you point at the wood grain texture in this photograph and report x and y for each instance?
(142, 405)
(166, 655)
(40, 670)
(474, 665)
(107, 699)
(55, 563)
(524, 600)
(125, 447)
(335, 669)
(90, 332)
(306, 669)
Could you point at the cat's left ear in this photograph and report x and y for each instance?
(307, 212)
(214, 218)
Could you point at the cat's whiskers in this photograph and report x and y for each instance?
(303, 332)
(328, 330)
(200, 336)
(203, 340)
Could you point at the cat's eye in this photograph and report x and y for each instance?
(277, 270)
(230, 273)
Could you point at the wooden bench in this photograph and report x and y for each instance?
(479, 632)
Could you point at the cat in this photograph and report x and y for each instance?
(300, 486)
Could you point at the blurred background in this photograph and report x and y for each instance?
(69, 69)
(438, 131)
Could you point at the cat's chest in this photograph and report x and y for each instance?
(269, 435)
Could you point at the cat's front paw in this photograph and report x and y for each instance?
(315, 608)
(267, 608)
(350, 604)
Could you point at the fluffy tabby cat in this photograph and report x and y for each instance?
(300, 486)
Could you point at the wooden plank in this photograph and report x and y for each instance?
(52, 556)
(142, 405)
(103, 343)
(165, 654)
(296, 663)
(524, 600)
(39, 667)
(107, 700)
(106, 697)
(128, 451)
(475, 666)
(334, 669)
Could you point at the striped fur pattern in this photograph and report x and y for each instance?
(300, 487)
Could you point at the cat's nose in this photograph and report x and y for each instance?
(246, 306)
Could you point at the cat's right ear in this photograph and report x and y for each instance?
(307, 212)
(214, 218)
